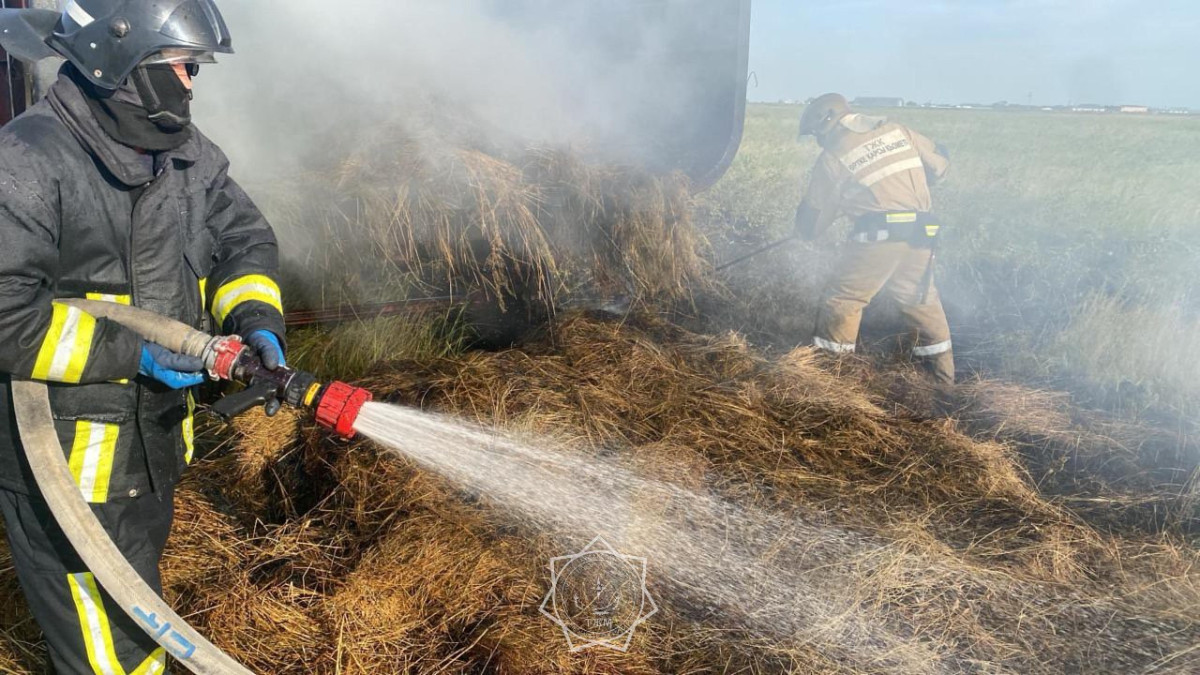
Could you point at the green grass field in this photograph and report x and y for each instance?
(1071, 255)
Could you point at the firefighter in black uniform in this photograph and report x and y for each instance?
(108, 192)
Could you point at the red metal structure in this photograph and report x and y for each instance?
(13, 96)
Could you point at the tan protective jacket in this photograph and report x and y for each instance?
(874, 166)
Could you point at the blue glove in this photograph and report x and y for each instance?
(177, 371)
(269, 348)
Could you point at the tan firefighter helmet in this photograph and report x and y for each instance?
(823, 114)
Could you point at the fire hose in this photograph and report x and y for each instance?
(336, 406)
(750, 256)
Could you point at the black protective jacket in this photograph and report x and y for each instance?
(84, 216)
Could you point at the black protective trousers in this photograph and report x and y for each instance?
(86, 632)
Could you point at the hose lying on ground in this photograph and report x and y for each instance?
(31, 403)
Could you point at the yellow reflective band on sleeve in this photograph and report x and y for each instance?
(105, 297)
(154, 664)
(252, 288)
(117, 299)
(92, 455)
(894, 218)
(66, 347)
(189, 430)
(932, 231)
(93, 620)
(204, 294)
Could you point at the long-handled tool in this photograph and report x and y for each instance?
(365, 312)
(755, 254)
(304, 318)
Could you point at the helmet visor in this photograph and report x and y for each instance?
(173, 56)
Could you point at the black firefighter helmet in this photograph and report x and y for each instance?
(107, 39)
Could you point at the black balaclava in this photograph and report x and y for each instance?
(164, 96)
(150, 111)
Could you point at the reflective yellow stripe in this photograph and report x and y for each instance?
(934, 350)
(92, 455)
(887, 172)
(877, 150)
(105, 297)
(204, 294)
(66, 347)
(189, 430)
(154, 664)
(118, 299)
(97, 636)
(835, 347)
(894, 218)
(252, 288)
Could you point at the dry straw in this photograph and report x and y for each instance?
(411, 212)
(301, 554)
(310, 556)
(406, 574)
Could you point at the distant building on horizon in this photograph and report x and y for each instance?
(878, 102)
(1091, 108)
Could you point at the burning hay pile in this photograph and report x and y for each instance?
(417, 212)
(792, 520)
(323, 558)
(299, 554)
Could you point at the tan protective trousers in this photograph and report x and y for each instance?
(898, 269)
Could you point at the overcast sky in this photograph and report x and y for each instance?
(981, 51)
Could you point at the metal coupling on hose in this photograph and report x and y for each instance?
(222, 355)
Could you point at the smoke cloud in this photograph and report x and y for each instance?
(534, 71)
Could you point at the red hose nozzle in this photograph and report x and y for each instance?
(339, 408)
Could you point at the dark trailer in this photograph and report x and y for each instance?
(14, 91)
(677, 69)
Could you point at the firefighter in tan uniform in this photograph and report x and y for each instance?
(878, 174)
